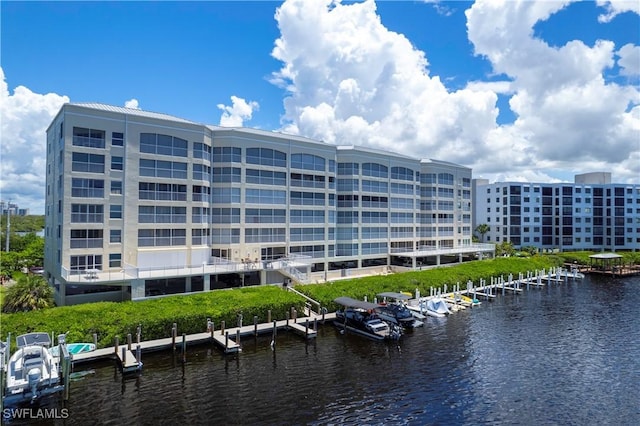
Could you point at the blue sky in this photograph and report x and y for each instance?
(535, 91)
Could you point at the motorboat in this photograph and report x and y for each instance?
(432, 306)
(32, 371)
(362, 318)
(393, 308)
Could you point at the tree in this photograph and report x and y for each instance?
(482, 229)
(505, 248)
(30, 293)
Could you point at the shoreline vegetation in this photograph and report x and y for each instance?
(190, 312)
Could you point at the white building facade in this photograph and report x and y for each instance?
(140, 204)
(590, 214)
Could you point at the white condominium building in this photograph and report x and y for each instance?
(141, 204)
(590, 214)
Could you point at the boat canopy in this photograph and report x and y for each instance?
(393, 295)
(41, 339)
(353, 303)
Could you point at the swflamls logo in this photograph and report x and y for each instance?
(35, 413)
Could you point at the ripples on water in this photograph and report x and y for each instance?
(562, 354)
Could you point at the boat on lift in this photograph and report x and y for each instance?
(393, 308)
(32, 371)
(362, 318)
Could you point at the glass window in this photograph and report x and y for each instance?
(116, 187)
(266, 157)
(115, 211)
(115, 236)
(116, 163)
(153, 143)
(87, 188)
(115, 260)
(88, 137)
(89, 163)
(117, 139)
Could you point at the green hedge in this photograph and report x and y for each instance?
(424, 280)
(190, 312)
(156, 317)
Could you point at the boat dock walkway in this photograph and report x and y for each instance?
(499, 284)
(227, 339)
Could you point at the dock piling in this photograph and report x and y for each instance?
(95, 339)
(222, 325)
(173, 336)
(184, 347)
(129, 341)
(269, 316)
(255, 325)
(116, 344)
(138, 353)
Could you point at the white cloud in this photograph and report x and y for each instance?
(237, 113)
(351, 81)
(629, 61)
(567, 113)
(25, 118)
(616, 7)
(132, 103)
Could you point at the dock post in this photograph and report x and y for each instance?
(275, 333)
(66, 362)
(287, 319)
(222, 326)
(138, 353)
(95, 339)
(226, 341)
(445, 289)
(238, 336)
(173, 336)
(295, 315)
(184, 347)
(306, 329)
(324, 311)
(138, 333)
(124, 357)
(502, 282)
(315, 324)
(115, 345)
(129, 341)
(213, 328)
(269, 315)
(255, 325)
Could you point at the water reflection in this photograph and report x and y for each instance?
(561, 354)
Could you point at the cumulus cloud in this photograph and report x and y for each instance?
(350, 80)
(567, 112)
(616, 7)
(132, 103)
(239, 111)
(25, 118)
(629, 60)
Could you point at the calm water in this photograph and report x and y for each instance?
(563, 354)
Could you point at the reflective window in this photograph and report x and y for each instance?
(153, 143)
(307, 162)
(266, 157)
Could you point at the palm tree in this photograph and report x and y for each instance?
(482, 229)
(30, 293)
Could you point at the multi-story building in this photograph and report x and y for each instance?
(140, 204)
(590, 214)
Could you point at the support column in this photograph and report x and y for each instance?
(137, 289)
(206, 285)
(438, 259)
(187, 285)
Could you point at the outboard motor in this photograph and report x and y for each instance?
(33, 376)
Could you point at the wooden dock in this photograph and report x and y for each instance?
(227, 339)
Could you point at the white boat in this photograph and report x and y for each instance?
(432, 306)
(32, 371)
